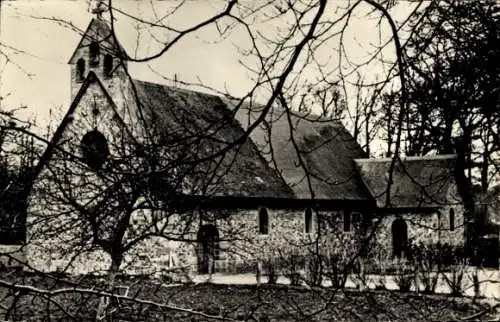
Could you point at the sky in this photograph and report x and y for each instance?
(36, 74)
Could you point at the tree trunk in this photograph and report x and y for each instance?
(104, 303)
(465, 191)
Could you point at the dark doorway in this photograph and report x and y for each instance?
(399, 238)
(208, 248)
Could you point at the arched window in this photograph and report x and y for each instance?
(439, 220)
(452, 219)
(108, 65)
(94, 53)
(308, 220)
(263, 221)
(95, 149)
(347, 221)
(399, 237)
(80, 69)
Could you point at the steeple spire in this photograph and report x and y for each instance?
(99, 9)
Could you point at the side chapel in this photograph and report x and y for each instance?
(253, 202)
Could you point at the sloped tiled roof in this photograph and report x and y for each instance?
(200, 125)
(325, 146)
(417, 181)
(205, 124)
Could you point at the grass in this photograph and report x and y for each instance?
(242, 302)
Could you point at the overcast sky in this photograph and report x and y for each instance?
(38, 77)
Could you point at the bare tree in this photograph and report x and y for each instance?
(96, 187)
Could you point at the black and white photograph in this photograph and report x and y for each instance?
(250, 160)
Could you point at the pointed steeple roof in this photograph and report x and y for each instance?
(98, 30)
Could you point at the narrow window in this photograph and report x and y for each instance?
(347, 221)
(263, 221)
(399, 238)
(308, 220)
(452, 219)
(108, 65)
(94, 53)
(80, 69)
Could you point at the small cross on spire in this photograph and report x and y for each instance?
(99, 9)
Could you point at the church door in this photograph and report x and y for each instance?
(208, 248)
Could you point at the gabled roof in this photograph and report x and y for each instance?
(201, 125)
(56, 138)
(267, 165)
(418, 182)
(326, 148)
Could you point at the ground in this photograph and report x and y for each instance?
(489, 281)
(247, 303)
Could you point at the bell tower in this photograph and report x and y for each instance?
(99, 52)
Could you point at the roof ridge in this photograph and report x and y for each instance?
(411, 158)
(312, 117)
(278, 110)
(176, 88)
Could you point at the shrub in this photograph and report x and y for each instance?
(360, 274)
(292, 264)
(272, 275)
(456, 272)
(243, 266)
(404, 276)
(314, 269)
(431, 260)
(427, 261)
(337, 270)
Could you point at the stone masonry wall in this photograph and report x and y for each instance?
(428, 229)
(240, 241)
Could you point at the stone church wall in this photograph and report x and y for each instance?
(55, 233)
(426, 230)
(239, 243)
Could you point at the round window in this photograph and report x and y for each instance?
(95, 149)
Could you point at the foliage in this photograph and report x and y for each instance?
(451, 57)
(339, 265)
(428, 263)
(433, 261)
(456, 271)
